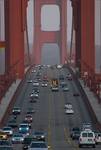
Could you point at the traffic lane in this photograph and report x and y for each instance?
(60, 138)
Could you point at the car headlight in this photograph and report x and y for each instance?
(20, 129)
(42, 136)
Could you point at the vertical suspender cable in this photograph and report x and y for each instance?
(28, 49)
(71, 42)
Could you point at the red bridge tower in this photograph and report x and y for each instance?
(41, 37)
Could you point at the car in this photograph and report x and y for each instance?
(3, 135)
(27, 141)
(69, 76)
(55, 89)
(35, 90)
(24, 128)
(76, 94)
(33, 100)
(26, 122)
(29, 81)
(63, 84)
(39, 135)
(59, 66)
(87, 126)
(65, 89)
(69, 111)
(6, 147)
(28, 118)
(17, 138)
(30, 110)
(38, 145)
(87, 138)
(12, 123)
(98, 137)
(36, 84)
(34, 95)
(75, 133)
(16, 111)
(5, 143)
(68, 105)
(61, 77)
(44, 84)
(8, 130)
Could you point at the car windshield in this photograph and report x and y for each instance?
(38, 145)
(24, 126)
(18, 135)
(6, 128)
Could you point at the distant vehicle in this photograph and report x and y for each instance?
(6, 147)
(86, 126)
(69, 76)
(69, 111)
(29, 81)
(98, 137)
(59, 66)
(61, 77)
(73, 132)
(65, 89)
(17, 138)
(5, 143)
(16, 111)
(24, 128)
(35, 90)
(38, 145)
(54, 84)
(3, 135)
(39, 135)
(87, 138)
(8, 130)
(12, 123)
(35, 84)
(44, 84)
(27, 141)
(30, 110)
(28, 118)
(34, 95)
(76, 94)
(68, 105)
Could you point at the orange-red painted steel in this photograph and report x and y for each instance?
(15, 13)
(41, 37)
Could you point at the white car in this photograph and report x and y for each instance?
(29, 81)
(98, 138)
(68, 106)
(59, 66)
(8, 130)
(34, 95)
(44, 84)
(69, 111)
(35, 83)
(87, 138)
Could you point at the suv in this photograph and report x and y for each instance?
(87, 137)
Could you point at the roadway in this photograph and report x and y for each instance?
(50, 113)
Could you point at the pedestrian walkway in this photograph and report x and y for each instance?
(93, 101)
(5, 101)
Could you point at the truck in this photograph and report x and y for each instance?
(54, 84)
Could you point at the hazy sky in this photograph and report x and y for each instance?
(52, 15)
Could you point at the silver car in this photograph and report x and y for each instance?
(38, 145)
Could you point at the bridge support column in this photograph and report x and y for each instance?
(87, 36)
(14, 29)
(41, 37)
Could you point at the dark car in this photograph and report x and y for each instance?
(30, 110)
(16, 111)
(27, 141)
(5, 147)
(12, 123)
(76, 94)
(75, 133)
(39, 135)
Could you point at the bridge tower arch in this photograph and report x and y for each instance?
(41, 37)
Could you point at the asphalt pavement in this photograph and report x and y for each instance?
(50, 114)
